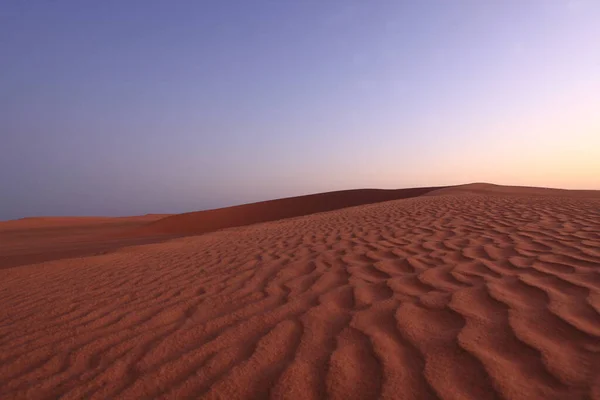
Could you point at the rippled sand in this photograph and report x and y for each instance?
(453, 295)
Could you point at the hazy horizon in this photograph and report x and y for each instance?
(155, 107)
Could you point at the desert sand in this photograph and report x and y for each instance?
(33, 240)
(467, 292)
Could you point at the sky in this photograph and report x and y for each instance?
(131, 107)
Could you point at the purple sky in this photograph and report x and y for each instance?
(132, 107)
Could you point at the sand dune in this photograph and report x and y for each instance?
(37, 223)
(33, 240)
(199, 222)
(456, 295)
(491, 189)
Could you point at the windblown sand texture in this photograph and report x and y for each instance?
(474, 292)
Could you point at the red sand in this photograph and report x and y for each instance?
(195, 223)
(466, 293)
(34, 240)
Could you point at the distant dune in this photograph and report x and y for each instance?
(491, 189)
(64, 222)
(33, 240)
(467, 292)
(207, 221)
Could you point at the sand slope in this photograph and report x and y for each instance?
(199, 222)
(33, 240)
(456, 296)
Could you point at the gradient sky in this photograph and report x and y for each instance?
(132, 107)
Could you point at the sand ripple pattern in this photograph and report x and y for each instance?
(451, 297)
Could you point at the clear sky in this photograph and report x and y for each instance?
(131, 107)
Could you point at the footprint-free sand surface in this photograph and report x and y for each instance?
(474, 292)
(34, 240)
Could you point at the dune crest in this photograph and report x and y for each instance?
(195, 223)
(453, 296)
(491, 189)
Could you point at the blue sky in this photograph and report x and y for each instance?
(131, 107)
